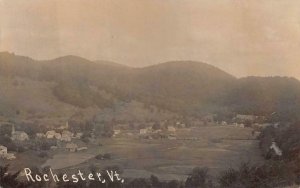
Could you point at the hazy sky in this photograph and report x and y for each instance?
(250, 37)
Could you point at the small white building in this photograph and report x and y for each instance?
(143, 131)
(78, 135)
(50, 134)
(10, 156)
(171, 129)
(157, 131)
(66, 136)
(117, 131)
(5, 155)
(171, 137)
(3, 150)
(40, 135)
(57, 136)
(245, 117)
(223, 123)
(53, 147)
(71, 147)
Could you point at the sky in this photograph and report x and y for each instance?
(242, 37)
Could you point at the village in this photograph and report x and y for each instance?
(64, 138)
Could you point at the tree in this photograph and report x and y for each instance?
(198, 179)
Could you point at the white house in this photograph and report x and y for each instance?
(78, 135)
(40, 135)
(71, 147)
(4, 154)
(117, 131)
(50, 134)
(3, 150)
(143, 131)
(171, 137)
(223, 123)
(10, 156)
(171, 129)
(66, 136)
(57, 136)
(246, 117)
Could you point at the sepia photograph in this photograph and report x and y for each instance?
(149, 94)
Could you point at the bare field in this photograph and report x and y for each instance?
(215, 147)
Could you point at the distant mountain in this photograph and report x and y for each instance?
(265, 95)
(110, 63)
(186, 87)
(180, 85)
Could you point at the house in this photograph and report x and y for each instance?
(50, 134)
(64, 127)
(78, 135)
(241, 125)
(223, 123)
(4, 154)
(171, 137)
(57, 136)
(245, 117)
(40, 135)
(182, 125)
(10, 156)
(143, 131)
(53, 135)
(3, 150)
(117, 131)
(66, 136)
(71, 147)
(157, 131)
(53, 147)
(171, 129)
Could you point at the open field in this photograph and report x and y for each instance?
(214, 147)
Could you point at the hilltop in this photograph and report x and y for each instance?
(183, 87)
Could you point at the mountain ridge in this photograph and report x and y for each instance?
(186, 87)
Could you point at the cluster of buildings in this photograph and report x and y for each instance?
(18, 135)
(62, 135)
(15, 136)
(150, 133)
